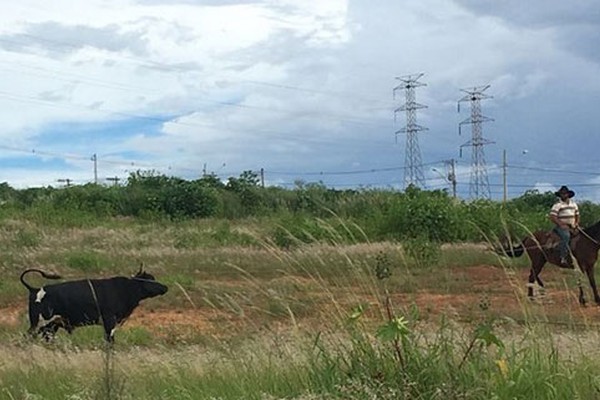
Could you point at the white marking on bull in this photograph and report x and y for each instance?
(112, 332)
(40, 295)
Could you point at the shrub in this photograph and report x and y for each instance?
(418, 213)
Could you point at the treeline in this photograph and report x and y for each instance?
(308, 212)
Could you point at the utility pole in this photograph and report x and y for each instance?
(413, 166)
(504, 176)
(262, 177)
(95, 160)
(479, 186)
(452, 176)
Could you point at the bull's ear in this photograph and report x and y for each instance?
(141, 271)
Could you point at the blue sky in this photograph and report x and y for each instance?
(302, 89)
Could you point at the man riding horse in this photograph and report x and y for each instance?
(541, 245)
(565, 215)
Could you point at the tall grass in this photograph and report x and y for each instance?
(317, 321)
(344, 364)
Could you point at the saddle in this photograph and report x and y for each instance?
(552, 239)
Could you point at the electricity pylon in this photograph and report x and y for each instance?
(479, 187)
(413, 166)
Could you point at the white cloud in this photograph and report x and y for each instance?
(230, 76)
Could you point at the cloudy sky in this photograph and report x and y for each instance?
(299, 88)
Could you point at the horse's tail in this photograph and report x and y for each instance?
(514, 251)
(508, 249)
(46, 275)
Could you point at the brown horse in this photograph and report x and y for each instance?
(542, 247)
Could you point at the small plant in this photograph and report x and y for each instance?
(396, 328)
(382, 266)
(396, 331)
(484, 335)
(423, 251)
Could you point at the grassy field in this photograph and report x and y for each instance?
(244, 319)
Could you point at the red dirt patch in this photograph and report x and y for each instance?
(499, 291)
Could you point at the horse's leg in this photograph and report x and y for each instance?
(534, 276)
(589, 270)
(582, 300)
(579, 272)
(531, 284)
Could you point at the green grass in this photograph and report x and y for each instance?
(343, 364)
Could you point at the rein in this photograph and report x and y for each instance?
(588, 236)
(584, 233)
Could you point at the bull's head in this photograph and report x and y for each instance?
(148, 285)
(151, 288)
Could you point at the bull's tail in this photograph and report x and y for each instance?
(47, 275)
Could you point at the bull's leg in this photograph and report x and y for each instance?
(34, 319)
(109, 329)
(68, 327)
(49, 330)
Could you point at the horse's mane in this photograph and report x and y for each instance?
(593, 230)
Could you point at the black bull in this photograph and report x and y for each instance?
(107, 302)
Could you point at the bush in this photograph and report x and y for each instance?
(309, 212)
(421, 214)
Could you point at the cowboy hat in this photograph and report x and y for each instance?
(564, 189)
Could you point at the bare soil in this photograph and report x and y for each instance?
(481, 288)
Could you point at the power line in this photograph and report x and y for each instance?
(165, 67)
(273, 134)
(80, 79)
(71, 77)
(352, 172)
(135, 163)
(94, 158)
(522, 167)
(344, 95)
